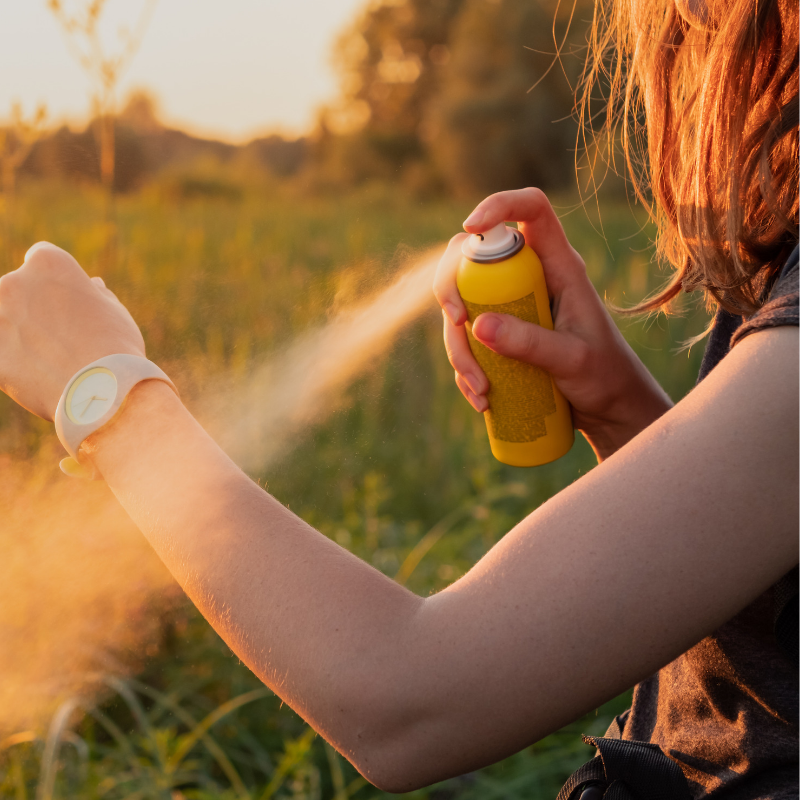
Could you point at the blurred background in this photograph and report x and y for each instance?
(240, 174)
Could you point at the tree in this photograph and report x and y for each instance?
(467, 89)
(390, 63)
(502, 117)
(82, 31)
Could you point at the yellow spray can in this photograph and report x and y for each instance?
(528, 419)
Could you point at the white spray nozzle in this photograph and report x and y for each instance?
(490, 243)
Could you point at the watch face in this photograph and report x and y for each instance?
(91, 396)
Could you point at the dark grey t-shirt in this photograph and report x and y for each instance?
(727, 710)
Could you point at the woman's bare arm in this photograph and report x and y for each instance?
(598, 588)
(601, 586)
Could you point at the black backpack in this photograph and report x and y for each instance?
(630, 770)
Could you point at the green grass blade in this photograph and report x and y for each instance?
(446, 523)
(295, 752)
(124, 691)
(199, 731)
(119, 737)
(209, 721)
(49, 766)
(337, 775)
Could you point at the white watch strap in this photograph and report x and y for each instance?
(128, 371)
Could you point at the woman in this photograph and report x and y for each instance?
(658, 562)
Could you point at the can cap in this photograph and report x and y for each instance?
(489, 246)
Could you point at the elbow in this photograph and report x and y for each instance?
(401, 751)
(398, 728)
(391, 771)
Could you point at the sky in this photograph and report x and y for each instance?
(230, 69)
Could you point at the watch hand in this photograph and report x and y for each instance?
(89, 403)
(86, 404)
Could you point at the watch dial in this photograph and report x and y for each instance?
(91, 396)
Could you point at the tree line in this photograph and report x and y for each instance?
(455, 96)
(468, 95)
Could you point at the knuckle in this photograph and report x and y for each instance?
(449, 301)
(47, 259)
(41, 249)
(502, 195)
(497, 203)
(577, 260)
(453, 356)
(529, 338)
(535, 195)
(40, 258)
(462, 386)
(581, 356)
(455, 241)
(450, 355)
(9, 285)
(458, 353)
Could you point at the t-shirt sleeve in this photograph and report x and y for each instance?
(781, 308)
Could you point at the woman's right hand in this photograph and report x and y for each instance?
(613, 396)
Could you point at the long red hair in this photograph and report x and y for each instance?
(702, 95)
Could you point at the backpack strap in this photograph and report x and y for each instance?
(590, 775)
(642, 767)
(626, 770)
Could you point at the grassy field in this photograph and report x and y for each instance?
(218, 278)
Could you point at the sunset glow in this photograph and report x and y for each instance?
(229, 71)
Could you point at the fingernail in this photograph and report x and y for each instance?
(487, 328)
(452, 312)
(475, 218)
(473, 382)
(477, 401)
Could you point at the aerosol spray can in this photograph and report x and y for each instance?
(528, 419)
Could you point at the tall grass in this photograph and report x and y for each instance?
(401, 474)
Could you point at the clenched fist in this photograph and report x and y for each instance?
(54, 320)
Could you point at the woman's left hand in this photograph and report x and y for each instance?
(54, 320)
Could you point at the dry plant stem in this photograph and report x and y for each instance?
(83, 35)
(415, 690)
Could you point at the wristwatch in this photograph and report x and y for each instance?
(93, 396)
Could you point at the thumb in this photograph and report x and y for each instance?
(558, 353)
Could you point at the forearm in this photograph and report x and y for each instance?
(395, 682)
(312, 621)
